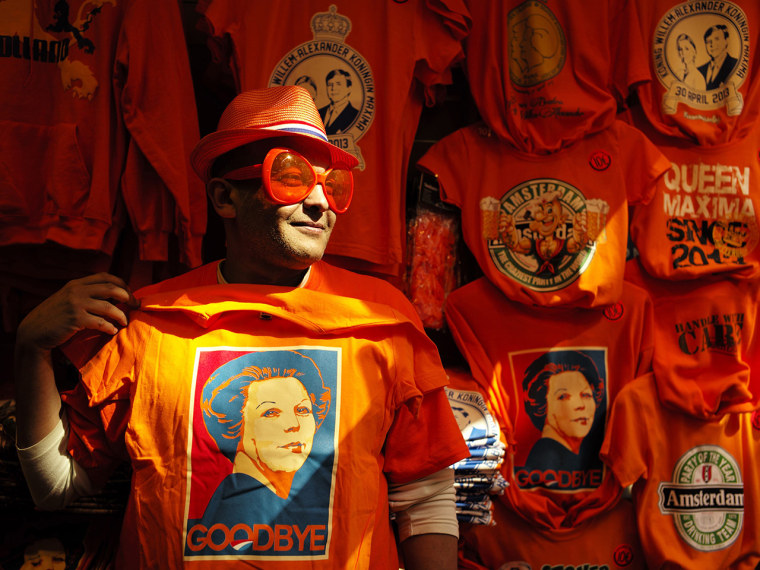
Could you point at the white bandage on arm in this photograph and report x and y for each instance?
(53, 477)
(425, 506)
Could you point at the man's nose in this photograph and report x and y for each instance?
(317, 198)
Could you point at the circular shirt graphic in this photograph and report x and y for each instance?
(537, 46)
(337, 89)
(547, 233)
(339, 78)
(700, 54)
(706, 498)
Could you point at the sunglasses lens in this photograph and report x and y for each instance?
(291, 178)
(339, 187)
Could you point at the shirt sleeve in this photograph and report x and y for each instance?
(441, 161)
(627, 45)
(154, 93)
(421, 444)
(643, 164)
(98, 410)
(437, 49)
(623, 449)
(54, 479)
(425, 506)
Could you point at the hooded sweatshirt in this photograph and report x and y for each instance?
(98, 118)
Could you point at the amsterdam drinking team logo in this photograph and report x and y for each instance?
(338, 77)
(701, 54)
(706, 498)
(543, 233)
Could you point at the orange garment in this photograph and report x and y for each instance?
(695, 481)
(98, 120)
(501, 341)
(394, 55)
(678, 92)
(609, 540)
(544, 74)
(386, 418)
(703, 219)
(568, 210)
(706, 344)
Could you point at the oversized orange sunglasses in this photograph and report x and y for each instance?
(289, 178)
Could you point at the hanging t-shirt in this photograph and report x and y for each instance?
(701, 67)
(370, 67)
(98, 119)
(545, 74)
(695, 482)
(706, 344)
(551, 229)
(607, 541)
(703, 219)
(341, 387)
(549, 376)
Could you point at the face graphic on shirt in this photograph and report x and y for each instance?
(45, 554)
(548, 218)
(716, 44)
(686, 52)
(279, 426)
(337, 88)
(570, 405)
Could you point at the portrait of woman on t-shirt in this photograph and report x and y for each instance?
(562, 393)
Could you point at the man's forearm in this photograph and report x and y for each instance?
(430, 552)
(38, 404)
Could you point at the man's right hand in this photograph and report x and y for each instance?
(86, 303)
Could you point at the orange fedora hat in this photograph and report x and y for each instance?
(258, 114)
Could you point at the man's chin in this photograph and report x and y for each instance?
(304, 259)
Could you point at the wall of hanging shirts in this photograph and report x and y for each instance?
(568, 194)
(614, 368)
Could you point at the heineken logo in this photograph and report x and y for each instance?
(706, 498)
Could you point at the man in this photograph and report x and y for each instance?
(721, 64)
(340, 114)
(386, 437)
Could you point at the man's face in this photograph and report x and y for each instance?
(716, 44)
(288, 237)
(337, 88)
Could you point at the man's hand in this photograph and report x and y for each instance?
(86, 303)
